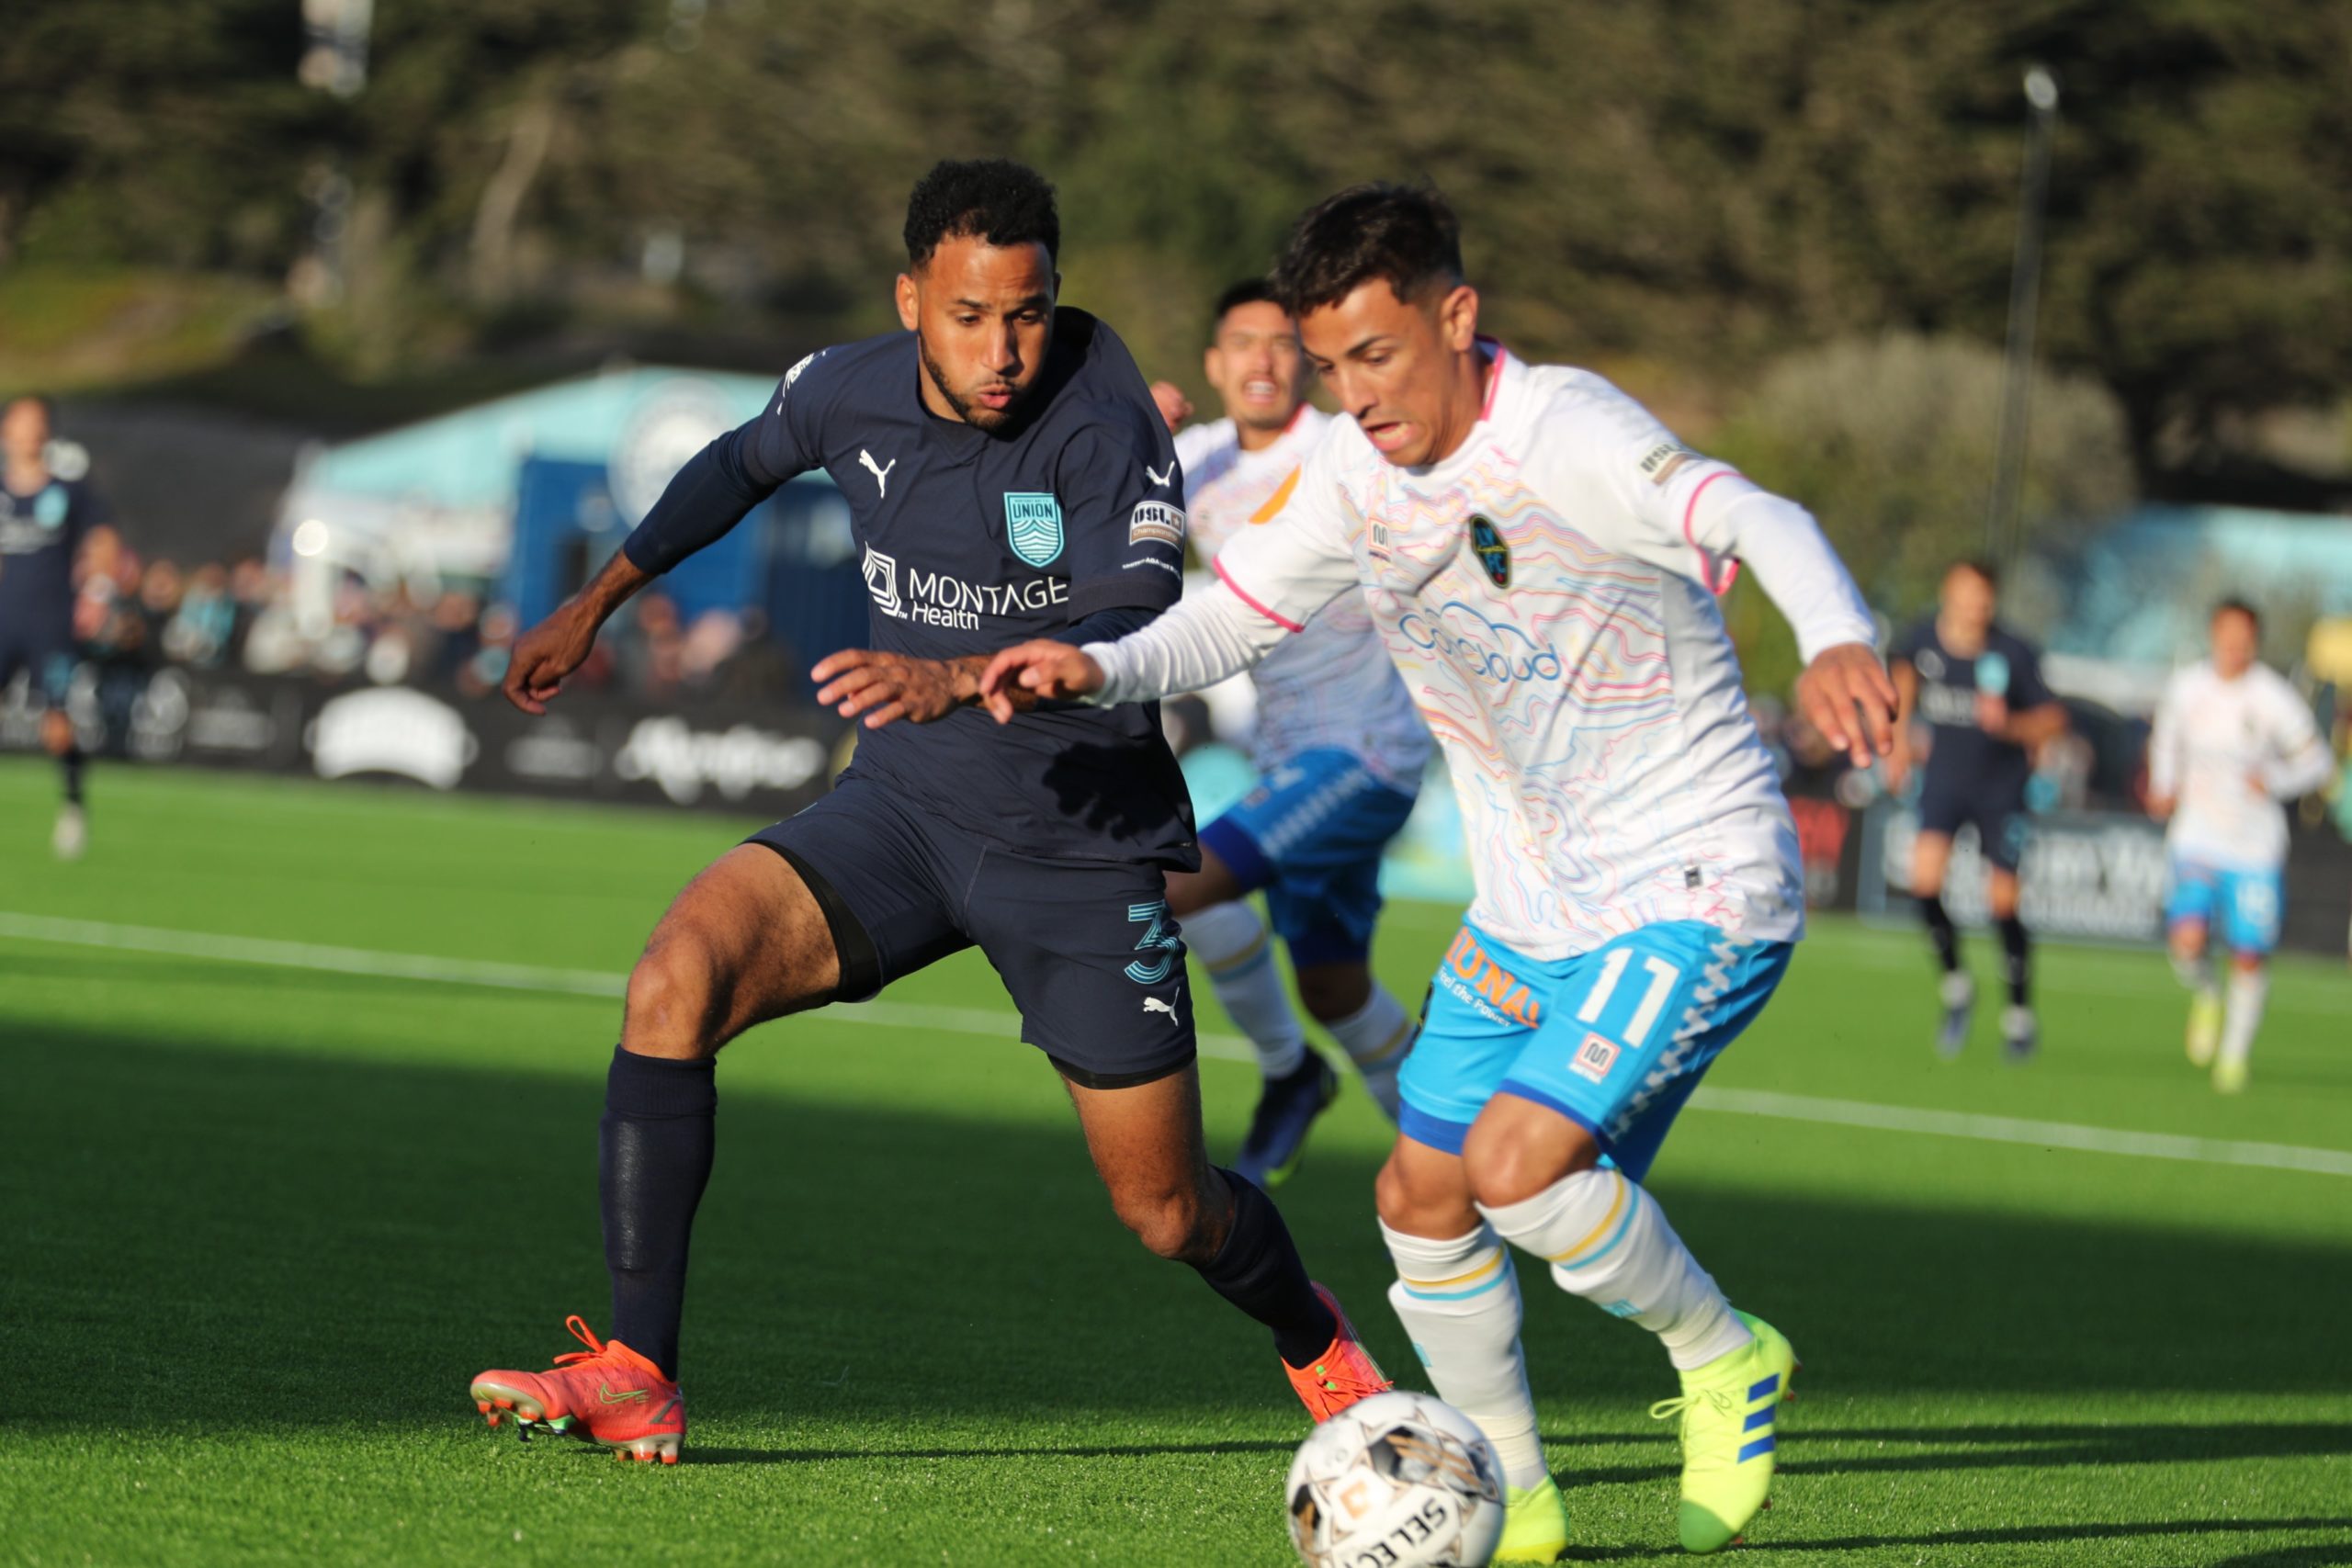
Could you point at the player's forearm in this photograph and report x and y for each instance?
(611, 587)
(1783, 546)
(1204, 640)
(714, 491)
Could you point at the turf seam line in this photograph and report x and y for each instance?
(597, 983)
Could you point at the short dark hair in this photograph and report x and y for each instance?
(2234, 606)
(1982, 566)
(1407, 234)
(993, 200)
(1249, 291)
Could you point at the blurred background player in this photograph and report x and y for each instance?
(1979, 689)
(2232, 741)
(1340, 754)
(43, 520)
(1542, 558)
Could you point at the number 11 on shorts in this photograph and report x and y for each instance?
(1663, 978)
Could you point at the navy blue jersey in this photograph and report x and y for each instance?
(39, 534)
(972, 542)
(1964, 753)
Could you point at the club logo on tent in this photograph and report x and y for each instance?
(1494, 554)
(1033, 526)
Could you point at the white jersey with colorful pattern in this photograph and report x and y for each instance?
(1548, 593)
(2228, 751)
(1332, 685)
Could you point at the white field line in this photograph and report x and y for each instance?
(1222, 1048)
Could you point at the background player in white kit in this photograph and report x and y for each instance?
(2232, 740)
(1542, 558)
(1339, 752)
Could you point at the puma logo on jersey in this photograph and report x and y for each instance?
(1157, 476)
(881, 475)
(1153, 1004)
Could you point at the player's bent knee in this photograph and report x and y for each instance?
(1334, 991)
(1421, 1207)
(1170, 1224)
(1505, 1164)
(669, 1011)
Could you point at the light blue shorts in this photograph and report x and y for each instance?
(1615, 1039)
(2240, 907)
(1311, 834)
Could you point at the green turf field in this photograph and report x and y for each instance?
(264, 1220)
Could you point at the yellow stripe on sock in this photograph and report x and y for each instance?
(1615, 1208)
(1396, 1043)
(1240, 958)
(1480, 1272)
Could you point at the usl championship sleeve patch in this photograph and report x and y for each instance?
(1155, 522)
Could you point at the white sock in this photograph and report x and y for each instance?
(2194, 973)
(1230, 941)
(2248, 989)
(1459, 1300)
(1609, 1242)
(1377, 1038)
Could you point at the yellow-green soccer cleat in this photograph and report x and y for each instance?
(2204, 1027)
(1727, 1407)
(1535, 1524)
(2229, 1075)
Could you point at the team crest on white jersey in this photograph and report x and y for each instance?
(1494, 551)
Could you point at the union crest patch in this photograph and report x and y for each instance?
(1033, 526)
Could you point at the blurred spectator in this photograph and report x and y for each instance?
(200, 630)
(487, 668)
(653, 650)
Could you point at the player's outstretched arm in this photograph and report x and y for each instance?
(1044, 670)
(557, 646)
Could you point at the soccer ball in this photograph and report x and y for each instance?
(1397, 1480)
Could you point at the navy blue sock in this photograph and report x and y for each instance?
(653, 1161)
(1259, 1270)
(71, 765)
(2016, 959)
(1941, 930)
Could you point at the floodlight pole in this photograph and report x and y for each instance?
(2003, 520)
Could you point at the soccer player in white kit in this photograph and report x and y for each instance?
(1339, 752)
(2232, 740)
(1542, 558)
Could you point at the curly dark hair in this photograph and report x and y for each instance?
(994, 199)
(1407, 234)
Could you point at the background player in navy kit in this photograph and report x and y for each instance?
(1008, 477)
(43, 519)
(1979, 689)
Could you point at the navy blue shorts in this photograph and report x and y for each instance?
(1086, 949)
(50, 665)
(1999, 814)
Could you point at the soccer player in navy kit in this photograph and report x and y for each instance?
(43, 519)
(1008, 477)
(1979, 689)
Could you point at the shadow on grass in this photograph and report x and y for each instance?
(211, 1232)
(2051, 1535)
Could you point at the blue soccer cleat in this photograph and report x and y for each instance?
(1286, 1109)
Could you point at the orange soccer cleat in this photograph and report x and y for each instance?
(607, 1393)
(1340, 1375)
